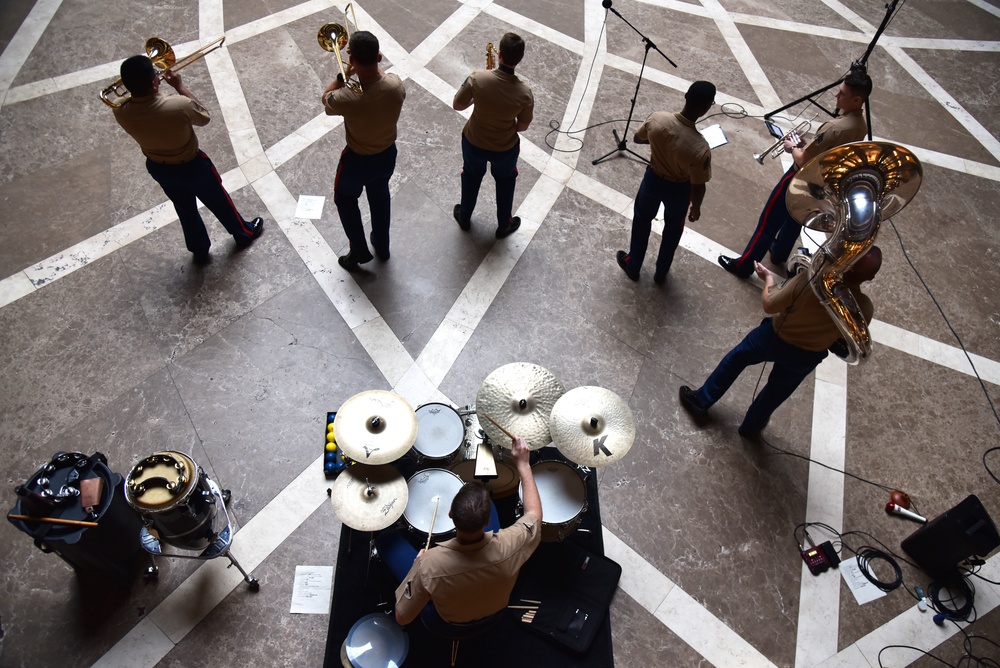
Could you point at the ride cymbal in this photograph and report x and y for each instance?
(369, 498)
(519, 397)
(375, 427)
(592, 426)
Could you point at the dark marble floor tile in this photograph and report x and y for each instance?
(737, 501)
(71, 350)
(245, 626)
(186, 304)
(12, 15)
(410, 23)
(948, 19)
(563, 17)
(259, 390)
(640, 639)
(790, 10)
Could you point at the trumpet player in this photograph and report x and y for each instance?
(163, 126)
(369, 159)
(775, 229)
(504, 106)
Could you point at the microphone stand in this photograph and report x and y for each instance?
(860, 65)
(623, 140)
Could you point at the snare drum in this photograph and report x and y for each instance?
(440, 433)
(564, 498)
(172, 494)
(424, 488)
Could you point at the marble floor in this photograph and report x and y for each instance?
(112, 341)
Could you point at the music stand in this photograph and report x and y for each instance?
(860, 65)
(623, 140)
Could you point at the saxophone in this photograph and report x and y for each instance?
(847, 192)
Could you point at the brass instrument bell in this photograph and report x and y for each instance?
(162, 54)
(334, 37)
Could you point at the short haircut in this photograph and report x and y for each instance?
(470, 509)
(511, 49)
(364, 47)
(859, 83)
(701, 92)
(137, 74)
(865, 267)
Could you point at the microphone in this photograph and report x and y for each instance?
(606, 4)
(894, 509)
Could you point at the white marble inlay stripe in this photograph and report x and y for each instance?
(986, 6)
(939, 353)
(743, 54)
(144, 645)
(24, 40)
(279, 19)
(819, 596)
(14, 287)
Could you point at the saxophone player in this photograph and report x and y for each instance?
(796, 340)
(503, 107)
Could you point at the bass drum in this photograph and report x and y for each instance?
(172, 494)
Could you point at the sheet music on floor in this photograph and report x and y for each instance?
(312, 590)
(714, 135)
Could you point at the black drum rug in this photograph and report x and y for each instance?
(571, 627)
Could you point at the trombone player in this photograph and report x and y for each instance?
(776, 230)
(369, 159)
(163, 126)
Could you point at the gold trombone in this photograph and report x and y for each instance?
(334, 37)
(778, 147)
(162, 54)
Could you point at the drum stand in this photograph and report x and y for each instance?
(218, 547)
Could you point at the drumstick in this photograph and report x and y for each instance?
(497, 425)
(430, 532)
(52, 520)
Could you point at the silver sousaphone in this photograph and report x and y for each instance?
(847, 192)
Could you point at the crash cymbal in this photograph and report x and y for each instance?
(369, 498)
(519, 397)
(592, 426)
(375, 427)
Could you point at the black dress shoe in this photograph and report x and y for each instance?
(351, 261)
(689, 399)
(659, 279)
(457, 213)
(730, 264)
(256, 229)
(622, 258)
(511, 228)
(382, 256)
(201, 259)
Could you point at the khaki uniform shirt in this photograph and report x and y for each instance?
(804, 322)
(162, 126)
(469, 582)
(841, 130)
(501, 101)
(369, 119)
(678, 152)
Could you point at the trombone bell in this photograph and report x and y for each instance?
(333, 37)
(162, 54)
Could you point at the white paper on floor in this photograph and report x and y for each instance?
(310, 206)
(312, 590)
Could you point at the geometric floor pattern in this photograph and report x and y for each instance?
(113, 342)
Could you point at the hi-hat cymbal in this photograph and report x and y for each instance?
(375, 427)
(592, 426)
(369, 498)
(519, 397)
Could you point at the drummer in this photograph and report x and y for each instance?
(468, 579)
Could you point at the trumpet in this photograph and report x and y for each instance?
(334, 37)
(162, 54)
(778, 147)
(491, 56)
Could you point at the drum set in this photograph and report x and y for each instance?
(380, 435)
